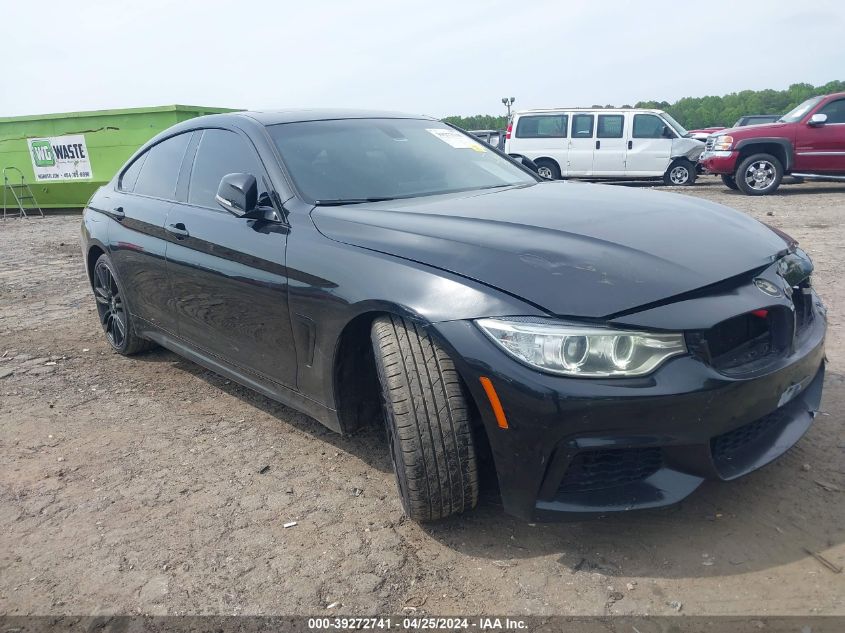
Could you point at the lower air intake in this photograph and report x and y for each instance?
(609, 468)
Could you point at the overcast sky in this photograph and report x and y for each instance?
(434, 57)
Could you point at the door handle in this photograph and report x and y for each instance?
(178, 230)
(598, 144)
(117, 213)
(630, 144)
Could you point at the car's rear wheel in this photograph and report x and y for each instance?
(427, 421)
(547, 169)
(759, 175)
(729, 181)
(111, 308)
(680, 173)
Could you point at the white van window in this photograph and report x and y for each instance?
(648, 126)
(582, 126)
(610, 126)
(542, 126)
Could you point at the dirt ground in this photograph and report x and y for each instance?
(137, 485)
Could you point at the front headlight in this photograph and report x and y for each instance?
(723, 143)
(583, 351)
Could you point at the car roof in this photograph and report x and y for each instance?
(559, 110)
(276, 117)
(273, 117)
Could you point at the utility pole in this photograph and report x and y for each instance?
(508, 102)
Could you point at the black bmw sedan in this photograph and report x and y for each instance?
(613, 347)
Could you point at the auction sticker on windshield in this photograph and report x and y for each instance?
(60, 158)
(456, 139)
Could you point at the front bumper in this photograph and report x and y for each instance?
(593, 445)
(722, 162)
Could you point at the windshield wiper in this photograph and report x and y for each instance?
(341, 201)
(509, 184)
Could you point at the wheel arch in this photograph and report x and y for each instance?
(95, 251)
(354, 379)
(679, 160)
(547, 159)
(780, 148)
(357, 395)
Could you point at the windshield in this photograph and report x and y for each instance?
(357, 160)
(680, 129)
(797, 113)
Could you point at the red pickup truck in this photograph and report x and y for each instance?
(806, 142)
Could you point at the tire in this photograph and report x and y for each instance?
(427, 421)
(759, 174)
(729, 181)
(115, 319)
(547, 169)
(680, 174)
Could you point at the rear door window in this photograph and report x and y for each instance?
(610, 126)
(582, 126)
(648, 126)
(543, 126)
(160, 171)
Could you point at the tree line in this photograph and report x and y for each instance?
(696, 112)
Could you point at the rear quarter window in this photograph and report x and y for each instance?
(130, 175)
(544, 126)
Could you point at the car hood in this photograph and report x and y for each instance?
(706, 130)
(747, 131)
(572, 249)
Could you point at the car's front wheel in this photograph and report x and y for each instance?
(729, 181)
(759, 174)
(680, 173)
(427, 421)
(111, 308)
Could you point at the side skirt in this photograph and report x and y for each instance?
(819, 177)
(323, 414)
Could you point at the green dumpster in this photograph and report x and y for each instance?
(66, 157)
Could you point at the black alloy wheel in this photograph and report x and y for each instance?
(111, 308)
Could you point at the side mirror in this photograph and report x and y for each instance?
(238, 194)
(667, 132)
(817, 120)
(526, 162)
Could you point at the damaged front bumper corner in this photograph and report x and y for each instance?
(602, 445)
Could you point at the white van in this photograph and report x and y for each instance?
(605, 143)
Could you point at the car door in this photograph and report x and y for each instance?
(137, 241)
(228, 273)
(821, 148)
(610, 147)
(581, 145)
(649, 151)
